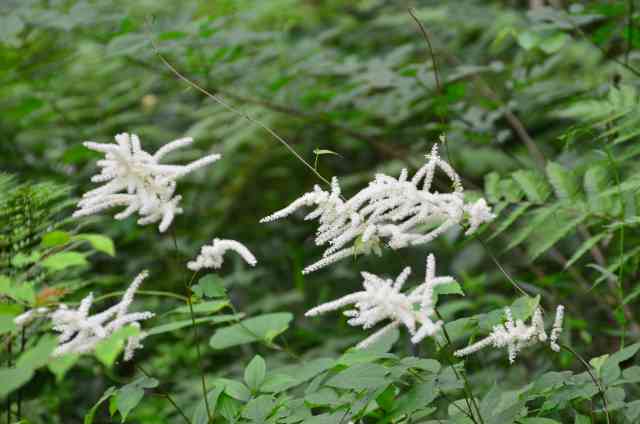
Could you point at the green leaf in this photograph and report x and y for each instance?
(176, 325)
(524, 307)
(6, 324)
(513, 216)
(235, 389)
(255, 372)
(62, 260)
(528, 40)
(200, 413)
(210, 307)
(538, 420)
(449, 288)
(259, 409)
(359, 377)
(610, 371)
(261, 328)
(108, 349)
(555, 231)
(55, 238)
(20, 292)
(584, 248)
(582, 419)
(61, 364)
(99, 242)
(319, 152)
(13, 378)
(88, 418)
(564, 183)
(129, 396)
(533, 184)
(38, 356)
(210, 286)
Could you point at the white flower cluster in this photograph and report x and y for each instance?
(212, 256)
(382, 300)
(394, 210)
(136, 180)
(515, 335)
(81, 332)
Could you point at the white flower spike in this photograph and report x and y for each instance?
(515, 335)
(393, 210)
(136, 180)
(383, 300)
(212, 256)
(81, 332)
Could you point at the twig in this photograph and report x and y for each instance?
(240, 113)
(593, 377)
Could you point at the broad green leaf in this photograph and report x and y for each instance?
(255, 372)
(210, 307)
(538, 420)
(540, 217)
(6, 324)
(38, 356)
(55, 238)
(13, 378)
(293, 375)
(259, 409)
(108, 349)
(209, 286)
(359, 377)
(61, 364)
(62, 260)
(20, 292)
(176, 325)
(424, 364)
(449, 288)
(235, 389)
(129, 396)
(610, 370)
(99, 242)
(261, 328)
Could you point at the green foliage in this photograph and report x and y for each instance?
(541, 116)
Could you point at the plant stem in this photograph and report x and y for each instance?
(167, 396)
(195, 327)
(593, 377)
(467, 386)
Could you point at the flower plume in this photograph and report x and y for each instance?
(81, 332)
(135, 180)
(391, 210)
(383, 299)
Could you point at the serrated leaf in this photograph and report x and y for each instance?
(546, 239)
(564, 182)
(533, 184)
(506, 223)
(584, 248)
